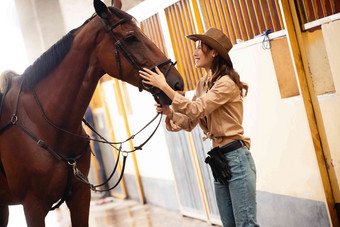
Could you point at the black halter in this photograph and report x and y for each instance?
(119, 46)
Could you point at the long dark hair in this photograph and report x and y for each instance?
(222, 67)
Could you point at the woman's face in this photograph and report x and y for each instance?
(203, 56)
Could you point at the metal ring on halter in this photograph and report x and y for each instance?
(14, 119)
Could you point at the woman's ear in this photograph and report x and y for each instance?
(214, 53)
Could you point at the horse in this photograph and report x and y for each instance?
(51, 97)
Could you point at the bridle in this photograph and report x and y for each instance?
(119, 46)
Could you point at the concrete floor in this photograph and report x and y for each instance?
(112, 212)
(128, 213)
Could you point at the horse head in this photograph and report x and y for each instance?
(124, 50)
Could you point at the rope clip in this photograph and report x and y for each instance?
(74, 167)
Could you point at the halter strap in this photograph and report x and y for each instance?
(118, 45)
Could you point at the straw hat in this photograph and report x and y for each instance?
(216, 39)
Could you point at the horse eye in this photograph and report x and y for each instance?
(131, 38)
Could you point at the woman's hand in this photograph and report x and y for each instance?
(164, 109)
(155, 79)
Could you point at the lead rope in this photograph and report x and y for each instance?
(73, 161)
(80, 176)
(103, 140)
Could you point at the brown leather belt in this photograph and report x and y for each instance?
(232, 146)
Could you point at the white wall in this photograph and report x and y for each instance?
(281, 141)
(13, 53)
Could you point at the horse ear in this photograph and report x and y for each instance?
(101, 9)
(117, 4)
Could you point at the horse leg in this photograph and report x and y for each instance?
(4, 215)
(35, 211)
(79, 205)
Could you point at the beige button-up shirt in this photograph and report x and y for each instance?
(218, 111)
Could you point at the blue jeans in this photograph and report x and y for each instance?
(237, 201)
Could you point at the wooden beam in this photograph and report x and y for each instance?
(314, 117)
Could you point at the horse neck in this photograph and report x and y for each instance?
(67, 91)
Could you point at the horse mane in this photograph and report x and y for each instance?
(56, 53)
(48, 60)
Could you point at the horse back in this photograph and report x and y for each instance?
(5, 80)
(5, 84)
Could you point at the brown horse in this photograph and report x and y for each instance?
(35, 156)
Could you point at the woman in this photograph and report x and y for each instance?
(217, 107)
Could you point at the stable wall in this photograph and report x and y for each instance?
(288, 179)
(330, 103)
(281, 142)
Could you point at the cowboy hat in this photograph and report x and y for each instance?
(215, 39)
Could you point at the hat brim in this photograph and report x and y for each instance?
(212, 43)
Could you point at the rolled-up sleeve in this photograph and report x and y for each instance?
(222, 92)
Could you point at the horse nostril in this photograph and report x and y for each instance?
(178, 87)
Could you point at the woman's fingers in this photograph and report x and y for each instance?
(152, 78)
(144, 74)
(160, 108)
(147, 70)
(158, 71)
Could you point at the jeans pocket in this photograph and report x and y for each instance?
(251, 161)
(234, 164)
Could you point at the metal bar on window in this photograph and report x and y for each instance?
(212, 13)
(251, 17)
(206, 14)
(221, 9)
(323, 8)
(152, 30)
(215, 10)
(184, 50)
(332, 6)
(279, 13)
(181, 45)
(301, 13)
(188, 48)
(173, 29)
(243, 33)
(246, 23)
(160, 35)
(264, 14)
(233, 21)
(271, 13)
(306, 8)
(257, 14)
(315, 9)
